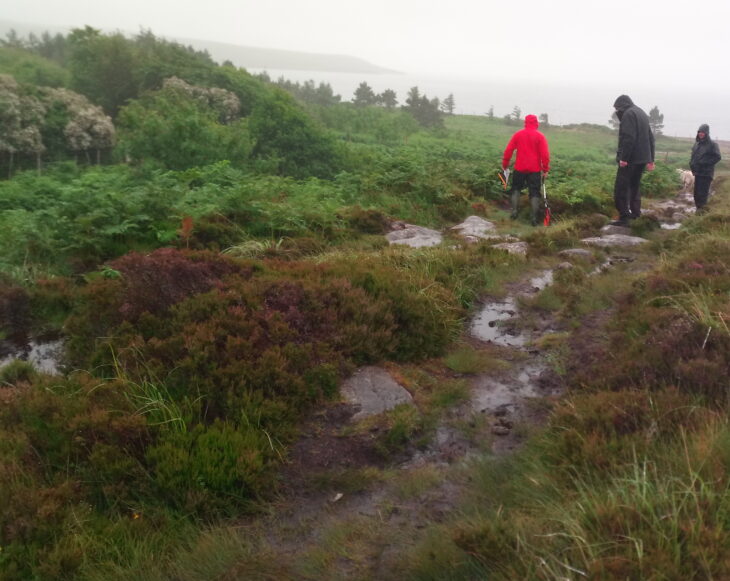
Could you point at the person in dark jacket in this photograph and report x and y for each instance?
(635, 153)
(531, 166)
(705, 154)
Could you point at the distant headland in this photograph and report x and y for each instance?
(241, 56)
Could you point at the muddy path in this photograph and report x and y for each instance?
(344, 506)
(347, 511)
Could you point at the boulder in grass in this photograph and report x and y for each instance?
(518, 248)
(373, 391)
(476, 227)
(415, 236)
(577, 252)
(611, 229)
(620, 240)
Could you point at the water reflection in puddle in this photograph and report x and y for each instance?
(543, 280)
(486, 325)
(489, 394)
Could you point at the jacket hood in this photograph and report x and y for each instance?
(704, 128)
(622, 103)
(531, 122)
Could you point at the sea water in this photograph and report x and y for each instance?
(684, 109)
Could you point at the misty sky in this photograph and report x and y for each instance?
(649, 41)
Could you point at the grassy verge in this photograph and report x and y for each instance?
(629, 479)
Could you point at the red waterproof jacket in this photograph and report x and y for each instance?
(532, 149)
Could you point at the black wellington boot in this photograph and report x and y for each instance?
(515, 201)
(535, 210)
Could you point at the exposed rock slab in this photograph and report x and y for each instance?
(672, 226)
(577, 252)
(614, 240)
(374, 391)
(45, 356)
(415, 236)
(476, 227)
(610, 229)
(518, 248)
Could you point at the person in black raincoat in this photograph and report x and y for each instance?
(705, 154)
(635, 153)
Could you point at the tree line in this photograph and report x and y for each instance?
(427, 111)
(99, 97)
(96, 97)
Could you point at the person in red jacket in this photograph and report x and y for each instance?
(531, 166)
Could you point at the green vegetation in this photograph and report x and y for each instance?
(211, 249)
(629, 480)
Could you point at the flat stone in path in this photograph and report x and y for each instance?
(415, 236)
(614, 240)
(476, 227)
(374, 391)
(579, 252)
(519, 248)
(610, 229)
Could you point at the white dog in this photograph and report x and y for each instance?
(688, 180)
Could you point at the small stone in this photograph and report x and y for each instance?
(500, 430)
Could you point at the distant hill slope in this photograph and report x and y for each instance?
(241, 56)
(266, 58)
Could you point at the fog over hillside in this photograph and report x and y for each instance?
(241, 56)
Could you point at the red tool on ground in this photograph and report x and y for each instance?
(546, 219)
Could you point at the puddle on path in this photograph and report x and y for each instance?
(45, 356)
(490, 395)
(486, 325)
(543, 280)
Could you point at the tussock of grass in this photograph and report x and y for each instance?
(468, 360)
(413, 483)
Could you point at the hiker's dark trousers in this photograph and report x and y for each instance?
(702, 190)
(530, 179)
(626, 195)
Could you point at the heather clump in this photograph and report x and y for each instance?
(220, 358)
(70, 448)
(597, 432)
(15, 312)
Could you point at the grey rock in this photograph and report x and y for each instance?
(579, 252)
(614, 240)
(374, 391)
(610, 229)
(518, 248)
(673, 226)
(475, 227)
(415, 236)
(500, 430)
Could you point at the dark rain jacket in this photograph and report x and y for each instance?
(635, 139)
(705, 154)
